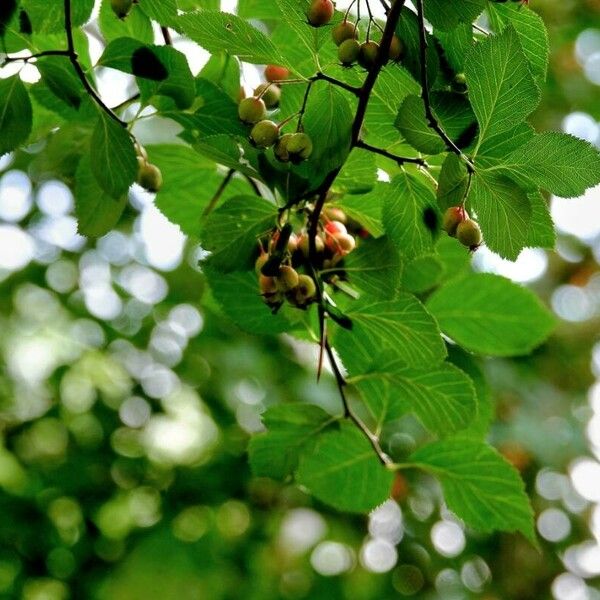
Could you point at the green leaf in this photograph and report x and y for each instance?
(443, 398)
(224, 71)
(422, 273)
(448, 15)
(294, 13)
(97, 212)
(456, 44)
(344, 471)
(239, 296)
(502, 90)
(231, 232)
(163, 11)
(58, 74)
(401, 327)
(453, 182)
(232, 152)
(557, 162)
(137, 25)
(488, 314)
(455, 257)
(366, 208)
(541, 233)
(495, 149)
(15, 114)
(291, 428)
(359, 173)
(409, 211)
(113, 158)
(531, 31)
(503, 212)
(223, 32)
(479, 486)
(452, 111)
(48, 16)
(374, 268)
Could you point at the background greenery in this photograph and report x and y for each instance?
(127, 401)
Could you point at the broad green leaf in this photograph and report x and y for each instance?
(456, 44)
(488, 314)
(359, 173)
(97, 212)
(15, 114)
(503, 212)
(557, 162)
(231, 231)
(541, 233)
(455, 258)
(48, 16)
(239, 297)
(443, 397)
(60, 78)
(223, 32)
(448, 15)
(410, 215)
(366, 208)
(258, 9)
(502, 90)
(453, 182)
(224, 71)
(400, 327)
(531, 31)
(7, 13)
(163, 11)
(422, 273)
(479, 486)
(374, 268)
(113, 158)
(495, 149)
(232, 152)
(343, 471)
(294, 13)
(453, 113)
(137, 25)
(291, 428)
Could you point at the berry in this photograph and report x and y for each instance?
(260, 261)
(264, 134)
(268, 285)
(335, 214)
(269, 93)
(396, 49)
(121, 8)
(469, 234)
(287, 279)
(304, 245)
(344, 31)
(281, 148)
(344, 243)
(320, 12)
(292, 243)
(368, 55)
(453, 217)
(460, 79)
(299, 147)
(348, 52)
(252, 110)
(276, 73)
(149, 177)
(334, 227)
(305, 291)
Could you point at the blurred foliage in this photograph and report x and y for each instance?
(123, 466)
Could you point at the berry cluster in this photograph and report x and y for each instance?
(149, 175)
(284, 253)
(458, 224)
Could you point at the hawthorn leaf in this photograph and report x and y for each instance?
(448, 15)
(489, 314)
(479, 485)
(422, 273)
(15, 114)
(343, 471)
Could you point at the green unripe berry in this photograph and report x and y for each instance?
(460, 79)
(252, 110)
(299, 147)
(368, 55)
(305, 291)
(121, 8)
(396, 50)
(469, 234)
(344, 31)
(264, 134)
(320, 12)
(287, 279)
(149, 177)
(270, 94)
(348, 52)
(304, 245)
(453, 217)
(281, 148)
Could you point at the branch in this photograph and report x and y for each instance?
(349, 413)
(398, 159)
(349, 88)
(166, 35)
(12, 59)
(218, 193)
(433, 122)
(72, 54)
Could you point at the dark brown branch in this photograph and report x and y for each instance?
(215, 199)
(349, 88)
(11, 59)
(72, 54)
(253, 184)
(166, 35)
(397, 159)
(431, 118)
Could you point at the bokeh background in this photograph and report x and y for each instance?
(127, 399)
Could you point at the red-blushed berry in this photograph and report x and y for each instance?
(276, 73)
(333, 227)
(453, 217)
(320, 12)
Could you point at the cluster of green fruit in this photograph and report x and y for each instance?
(346, 37)
(149, 175)
(285, 252)
(458, 224)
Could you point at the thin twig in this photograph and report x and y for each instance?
(11, 59)
(253, 184)
(213, 202)
(72, 54)
(349, 88)
(125, 103)
(397, 159)
(431, 118)
(166, 35)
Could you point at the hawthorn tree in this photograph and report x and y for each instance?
(340, 203)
